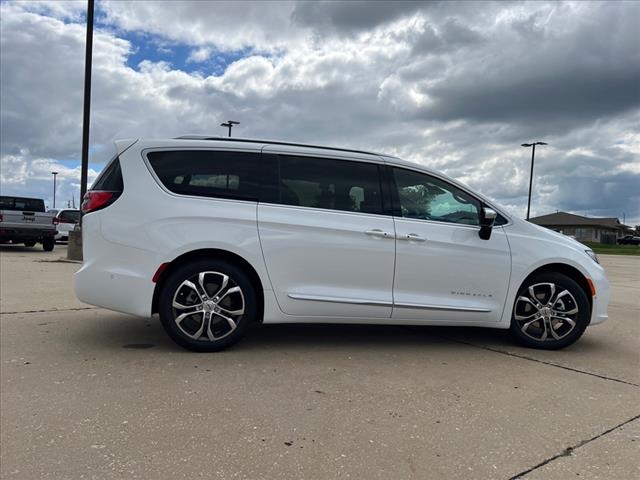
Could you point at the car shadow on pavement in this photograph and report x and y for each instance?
(121, 331)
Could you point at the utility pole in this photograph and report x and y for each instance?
(74, 249)
(87, 100)
(54, 188)
(533, 156)
(230, 124)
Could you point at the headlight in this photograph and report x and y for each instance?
(593, 255)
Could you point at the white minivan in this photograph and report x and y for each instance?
(218, 234)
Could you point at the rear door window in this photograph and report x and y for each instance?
(22, 204)
(69, 216)
(207, 173)
(330, 184)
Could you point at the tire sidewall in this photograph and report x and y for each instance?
(582, 321)
(48, 244)
(176, 278)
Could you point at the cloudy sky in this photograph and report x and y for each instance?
(455, 86)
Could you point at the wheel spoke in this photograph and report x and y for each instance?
(181, 306)
(552, 288)
(554, 334)
(545, 333)
(201, 283)
(223, 286)
(566, 320)
(233, 313)
(573, 311)
(229, 292)
(210, 334)
(193, 287)
(182, 316)
(563, 293)
(529, 301)
(230, 321)
(526, 326)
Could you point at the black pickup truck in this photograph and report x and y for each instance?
(629, 240)
(23, 220)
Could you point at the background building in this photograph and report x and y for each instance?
(602, 230)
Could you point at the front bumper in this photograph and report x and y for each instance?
(600, 299)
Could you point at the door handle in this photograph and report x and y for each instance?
(376, 232)
(414, 237)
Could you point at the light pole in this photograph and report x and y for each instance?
(88, 54)
(54, 188)
(230, 124)
(533, 156)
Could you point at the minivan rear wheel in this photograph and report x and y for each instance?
(207, 305)
(551, 311)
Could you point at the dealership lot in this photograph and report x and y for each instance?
(88, 393)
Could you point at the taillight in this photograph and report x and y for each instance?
(55, 220)
(97, 199)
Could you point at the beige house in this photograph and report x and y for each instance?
(584, 229)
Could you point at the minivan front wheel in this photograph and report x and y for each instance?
(207, 305)
(551, 311)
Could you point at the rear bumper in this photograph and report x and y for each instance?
(21, 233)
(114, 276)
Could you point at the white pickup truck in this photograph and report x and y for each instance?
(24, 220)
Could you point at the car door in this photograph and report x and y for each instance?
(444, 271)
(328, 247)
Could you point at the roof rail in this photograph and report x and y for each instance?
(270, 142)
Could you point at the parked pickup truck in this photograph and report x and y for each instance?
(23, 220)
(629, 240)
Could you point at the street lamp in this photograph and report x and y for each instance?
(54, 188)
(533, 155)
(230, 124)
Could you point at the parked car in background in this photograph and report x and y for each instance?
(216, 234)
(68, 218)
(24, 220)
(629, 240)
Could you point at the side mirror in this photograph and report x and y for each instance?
(487, 219)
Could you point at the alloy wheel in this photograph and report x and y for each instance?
(208, 306)
(545, 312)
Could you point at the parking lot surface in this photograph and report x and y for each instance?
(88, 393)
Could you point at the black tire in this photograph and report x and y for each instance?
(174, 287)
(30, 243)
(48, 244)
(565, 303)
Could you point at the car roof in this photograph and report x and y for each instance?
(273, 142)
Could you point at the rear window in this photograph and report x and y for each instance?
(69, 215)
(22, 204)
(330, 184)
(111, 178)
(208, 173)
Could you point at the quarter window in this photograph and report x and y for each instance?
(330, 184)
(211, 173)
(428, 198)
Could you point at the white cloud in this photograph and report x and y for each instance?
(434, 84)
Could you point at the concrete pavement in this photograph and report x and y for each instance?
(88, 393)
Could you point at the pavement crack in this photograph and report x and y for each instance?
(544, 362)
(51, 310)
(567, 452)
